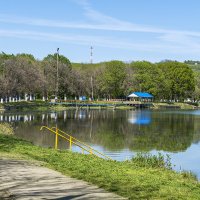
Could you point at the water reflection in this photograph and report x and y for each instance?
(14, 118)
(117, 133)
(116, 130)
(143, 117)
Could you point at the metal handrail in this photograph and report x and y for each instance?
(70, 139)
(94, 150)
(64, 138)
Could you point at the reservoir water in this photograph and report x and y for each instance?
(119, 134)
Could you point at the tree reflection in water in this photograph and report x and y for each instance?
(113, 130)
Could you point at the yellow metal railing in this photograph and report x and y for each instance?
(72, 140)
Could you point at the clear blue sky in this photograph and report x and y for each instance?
(125, 30)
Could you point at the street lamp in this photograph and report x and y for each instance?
(56, 96)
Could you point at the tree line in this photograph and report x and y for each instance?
(23, 74)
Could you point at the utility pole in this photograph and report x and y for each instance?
(91, 61)
(56, 96)
(92, 88)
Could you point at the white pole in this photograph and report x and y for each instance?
(26, 97)
(57, 56)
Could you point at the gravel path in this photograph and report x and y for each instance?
(23, 180)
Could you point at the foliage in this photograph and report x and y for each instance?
(30, 57)
(180, 78)
(112, 79)
(61, 59)
(22, 73)
(124, 178)
(20, 76)
(189, 175)
(149, 78)
(155, 161)
(196, 93)
(6, 129)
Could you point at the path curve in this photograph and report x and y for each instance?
(22, 180)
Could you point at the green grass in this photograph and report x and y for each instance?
(33, 105)
(183, 106)
(132, 179)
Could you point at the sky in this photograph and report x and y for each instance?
(127, 30)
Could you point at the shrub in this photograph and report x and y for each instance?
(148, 160)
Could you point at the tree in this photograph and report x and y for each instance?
(20, 76)
(181, 82)
(52, 58)
(147, 77)
(112, 79)
(30, 57)
(49, 65)
(196, 93)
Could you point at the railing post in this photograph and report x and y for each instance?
(56, 139)
(80, 144)
(70, 143)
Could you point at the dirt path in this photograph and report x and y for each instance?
(22, 180)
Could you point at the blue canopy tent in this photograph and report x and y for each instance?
(141, 95)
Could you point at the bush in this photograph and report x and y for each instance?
(155, 161)
(189, 175)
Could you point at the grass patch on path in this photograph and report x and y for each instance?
(128, 179)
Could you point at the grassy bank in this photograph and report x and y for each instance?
(182, 106)
(118, 105)
(141, 178)
(46, 106)
(32, 106)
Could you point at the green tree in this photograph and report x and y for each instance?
(29, 57)
(49, 67)
(180, 78)
(196, 93)
(112, 79)
(52, 58)
(147, 77)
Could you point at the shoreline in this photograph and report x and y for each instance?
(47, 106)
(130, 179)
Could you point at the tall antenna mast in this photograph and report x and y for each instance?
(91, 55)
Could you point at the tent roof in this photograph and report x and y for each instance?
(141, 95)
(132, 95)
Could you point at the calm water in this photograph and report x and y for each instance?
(120, 134)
